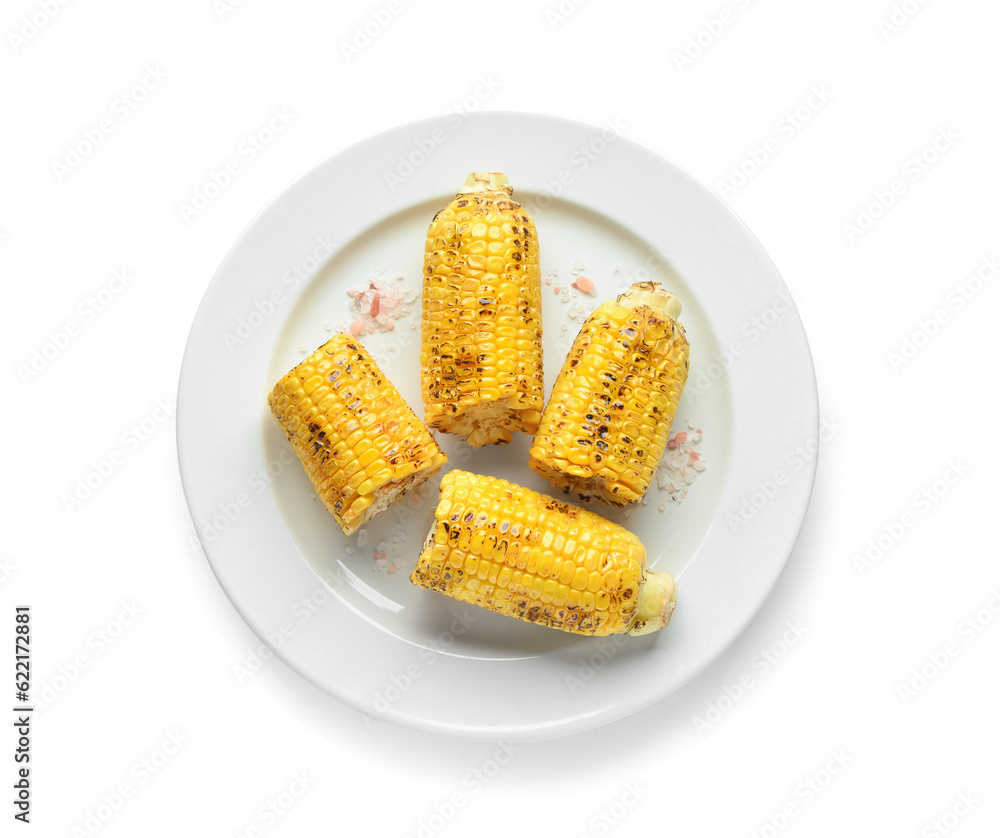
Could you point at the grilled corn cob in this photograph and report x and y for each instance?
(481, 336)
(530, 556)
(358, 440)
(605, 427)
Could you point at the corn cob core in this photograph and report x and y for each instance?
(359, 441)
(481, 322)
(527, 555)
(606, 425)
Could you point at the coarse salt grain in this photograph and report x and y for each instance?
(682, 462)
(378, 303)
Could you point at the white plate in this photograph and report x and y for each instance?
(373, 640)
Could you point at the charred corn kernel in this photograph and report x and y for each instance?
(585, 591)
(606, 425)
(358, 440)
(481, 322)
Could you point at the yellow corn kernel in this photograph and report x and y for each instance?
(586, 591)
(357, 438)
(606, 424)
(481, 323)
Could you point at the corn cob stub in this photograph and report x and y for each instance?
(606, 425)
(526, 555)
(359, 441)
(481, 322)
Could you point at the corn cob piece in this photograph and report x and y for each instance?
(526, 555)
(359, 441)
(606, 425)
(481, 335)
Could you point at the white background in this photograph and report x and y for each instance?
(744, 768)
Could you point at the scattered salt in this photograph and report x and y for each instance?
(378, 302)
(682, 462)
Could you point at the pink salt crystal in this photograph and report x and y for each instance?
(584, 284)
(672, 444)
(374, 309)
(693, 457)
(555, 289)
(357, 327)
(681, 437)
